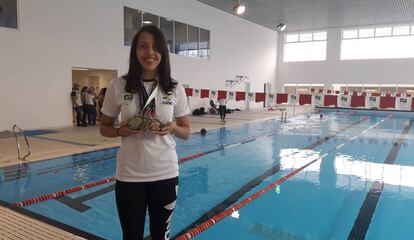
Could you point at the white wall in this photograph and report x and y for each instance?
(384, 71)
(55, 35)
(83, 78)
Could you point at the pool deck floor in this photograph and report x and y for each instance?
(73, 140)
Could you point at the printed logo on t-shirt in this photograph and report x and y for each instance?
(128, 97)
(167, 100)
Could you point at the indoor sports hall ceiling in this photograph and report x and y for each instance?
(321, 14)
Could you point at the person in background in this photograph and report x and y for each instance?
(100, 100)
(90, 101)
(147, 162)
(77, 104)
(222, 109)
(85, 110)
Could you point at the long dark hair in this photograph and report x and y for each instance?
(133, 78)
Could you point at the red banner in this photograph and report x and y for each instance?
(189, 92)
(240, 96)
(412, 103)
(357, 101)
(221, 95)
(281, 98)
(260, 97)
(331, 100)
(387, 102)
(205, 93)
(305, 99)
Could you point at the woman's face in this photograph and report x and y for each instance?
(147, 55)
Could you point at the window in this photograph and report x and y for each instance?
(193, 41)
(289, 88)
(355, 87)
(376, 88)
(8, 13)
(405, 88)
(166, 26)
(339, 87)
(307, 46)
(371, 88)
(378, 43)
(180, 38)
(204, 51)
(132, 23)
(383, 32)
(302, 88)
(149, 19)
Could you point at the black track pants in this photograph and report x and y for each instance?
(132, 200)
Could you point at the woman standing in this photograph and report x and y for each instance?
(147, 162)
(90, 102)
(100, 100)
(222, 109)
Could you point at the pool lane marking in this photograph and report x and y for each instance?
(77, 203)
(57, 194)
(367, 210)
(64, 141)
(210, 222)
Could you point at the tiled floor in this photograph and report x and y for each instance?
(74, 140)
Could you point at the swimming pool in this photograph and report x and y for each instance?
(358, 184)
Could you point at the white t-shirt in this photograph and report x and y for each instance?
(89, 99)
(76, 97)
(222, 102)
(147, 156)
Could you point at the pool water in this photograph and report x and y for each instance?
(358, 186)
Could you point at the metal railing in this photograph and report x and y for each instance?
(29, 149)
(237, 80)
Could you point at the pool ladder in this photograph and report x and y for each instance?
(16, 131)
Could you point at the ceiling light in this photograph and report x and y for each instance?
(239, 8)
(281, 27)
(147, 22)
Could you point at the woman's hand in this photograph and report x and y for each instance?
(125, 131)
(160, 128)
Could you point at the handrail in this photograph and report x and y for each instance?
(29, 149)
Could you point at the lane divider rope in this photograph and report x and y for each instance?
(45, 197)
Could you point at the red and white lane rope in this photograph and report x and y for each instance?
(207, 224)
(57, 194)
(48, 196)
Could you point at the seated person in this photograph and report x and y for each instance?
(214, 109)
(213, 105)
